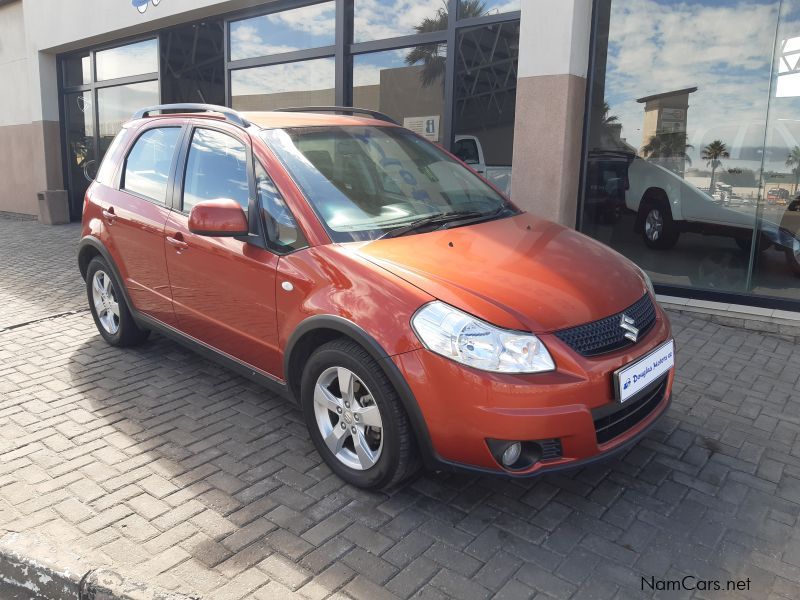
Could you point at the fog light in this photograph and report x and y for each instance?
(511, 454)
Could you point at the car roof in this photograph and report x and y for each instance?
(280, 120)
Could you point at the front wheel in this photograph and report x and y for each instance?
(793, 259)
(659, 230)
(355, 417)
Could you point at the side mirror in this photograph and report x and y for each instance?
(218, 218)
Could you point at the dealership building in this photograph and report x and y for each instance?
(669, 130)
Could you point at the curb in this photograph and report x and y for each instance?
(32, 563)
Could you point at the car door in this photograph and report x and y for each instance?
(135, 213)
(223, 288)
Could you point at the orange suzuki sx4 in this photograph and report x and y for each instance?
(416, 315)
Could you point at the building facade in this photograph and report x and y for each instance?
(664, 129)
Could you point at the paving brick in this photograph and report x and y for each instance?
(284, 571)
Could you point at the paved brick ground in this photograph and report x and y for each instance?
(172, 469)
(37, 271)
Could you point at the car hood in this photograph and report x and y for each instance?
(520, 272)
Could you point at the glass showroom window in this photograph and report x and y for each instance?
(678, 177)
(115, 105)
(468, 9)
(406, 84)
(304, 83)
(285, 31)
(485, 98)
(126, 61)
(777, 252)
(382, 19)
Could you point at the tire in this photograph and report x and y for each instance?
(659, 231)
(104, 293)
(744, 244)
(341, 417)
(793, 260)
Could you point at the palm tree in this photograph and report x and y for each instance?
(793, 162)
(712, 155)
(432, 56)
(606, 119)
(671, 146)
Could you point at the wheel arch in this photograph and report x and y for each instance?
(319, 329)
(90, 247)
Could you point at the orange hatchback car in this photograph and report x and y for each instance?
(415, 314)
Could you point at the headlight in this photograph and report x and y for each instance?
(649, 283)
(470, 341)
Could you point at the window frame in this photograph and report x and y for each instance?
(119, 182)
(270, 244)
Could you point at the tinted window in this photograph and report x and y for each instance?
(148, 164)
(282, 229)
(216, 169)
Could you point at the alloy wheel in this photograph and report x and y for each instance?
(105, 301)
(654, 225)
(348, 418)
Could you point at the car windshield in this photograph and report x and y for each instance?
(364, 181)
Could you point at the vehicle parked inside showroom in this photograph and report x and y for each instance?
(470, 150)
(414, 313)
(667, 205)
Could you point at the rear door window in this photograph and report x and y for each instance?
(149, 162)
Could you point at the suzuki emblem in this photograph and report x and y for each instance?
(631, 332)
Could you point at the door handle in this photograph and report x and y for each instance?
(177, 243)
(109, 214)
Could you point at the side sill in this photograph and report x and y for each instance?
(274, 385)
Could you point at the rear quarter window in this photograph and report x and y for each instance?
(105, 174)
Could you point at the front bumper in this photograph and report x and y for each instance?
(463, 407)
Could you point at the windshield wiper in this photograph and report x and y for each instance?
(476, 218)
(442, 218)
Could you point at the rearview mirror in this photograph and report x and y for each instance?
(218, 218)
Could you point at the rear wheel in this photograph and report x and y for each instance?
(109, 309)
(355, 417)
(659, 231)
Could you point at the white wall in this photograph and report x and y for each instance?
(15, 102)
(554, 37)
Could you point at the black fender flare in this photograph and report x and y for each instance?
(91, 241)
(370, 344)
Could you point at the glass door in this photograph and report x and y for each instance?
(80, 142)
(101, 89)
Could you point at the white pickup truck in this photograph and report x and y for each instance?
(668, 205)
(468, 148)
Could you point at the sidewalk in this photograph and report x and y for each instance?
(172, 470)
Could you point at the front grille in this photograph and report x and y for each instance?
(551, 449)
(629, 414)
(606, 335)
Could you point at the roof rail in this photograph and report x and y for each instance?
(229, 114)
(342, 109)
